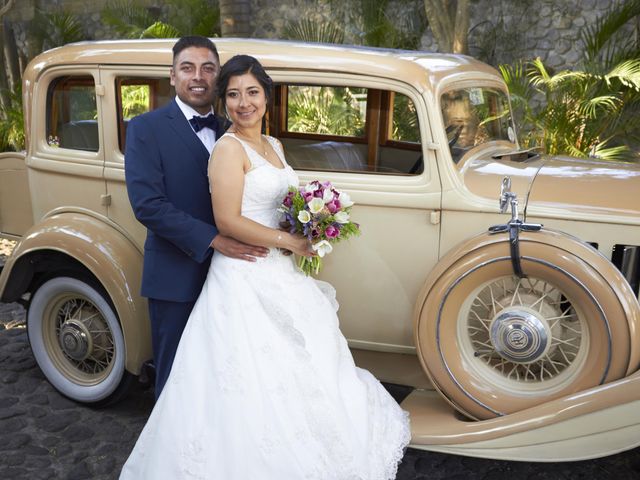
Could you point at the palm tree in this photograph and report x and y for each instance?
(309, 30)
(591, 111)
(184, 17)
(12, 125)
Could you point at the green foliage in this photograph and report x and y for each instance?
(606, 42)
(591, 111)
(51, 30)
(135, 100)
(308, 30)
(405, 125)
(127, 18)
(378, 30)
(325, 110)
(12, 126)
(160, 30)
(195, 17)
(183, 17)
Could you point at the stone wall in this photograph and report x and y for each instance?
(501, 30)
(504, 30)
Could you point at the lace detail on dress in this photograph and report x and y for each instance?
(193, 463)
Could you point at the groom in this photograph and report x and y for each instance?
(166, 157)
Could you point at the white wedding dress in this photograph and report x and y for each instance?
(263, 386)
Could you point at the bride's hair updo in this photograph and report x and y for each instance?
(239, 65)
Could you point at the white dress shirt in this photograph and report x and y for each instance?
(206, 135)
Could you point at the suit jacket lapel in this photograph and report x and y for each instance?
(184, 132)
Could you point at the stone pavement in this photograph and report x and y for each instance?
(45, 436)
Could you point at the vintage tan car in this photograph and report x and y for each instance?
(519, 341)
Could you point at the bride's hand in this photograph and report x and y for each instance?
(299, 245)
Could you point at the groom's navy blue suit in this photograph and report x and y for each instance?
(166, 175)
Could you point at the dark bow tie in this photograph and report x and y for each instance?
(210, 121)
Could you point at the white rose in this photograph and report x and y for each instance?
(316, 205)
(345, 200)
(322, 247)
(341, 217)
(304, 216)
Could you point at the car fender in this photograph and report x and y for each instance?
(103, 249)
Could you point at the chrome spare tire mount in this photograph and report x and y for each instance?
(514, 226)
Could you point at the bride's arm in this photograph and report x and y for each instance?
(226, 174)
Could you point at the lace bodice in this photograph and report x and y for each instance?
(265, 185)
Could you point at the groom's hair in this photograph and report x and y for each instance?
(194, 41)
(239, 65)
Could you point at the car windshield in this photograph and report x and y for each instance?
(474, 116)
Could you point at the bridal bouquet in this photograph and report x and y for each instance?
(321, 213)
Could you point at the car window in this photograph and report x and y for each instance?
(72, 114)
(326, 110)
(404, 125)
(136, 95)
(474, 116)
(347, 129)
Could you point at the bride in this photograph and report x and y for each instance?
(263, 385)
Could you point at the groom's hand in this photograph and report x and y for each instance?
(231, 247)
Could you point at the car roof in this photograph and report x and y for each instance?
(404, 65)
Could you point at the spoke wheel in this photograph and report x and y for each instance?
(493, 343)
(77, 340)
(522, 333)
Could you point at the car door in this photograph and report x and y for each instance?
(368, 137)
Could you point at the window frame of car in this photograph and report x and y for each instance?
(40, 148)
(113, 126)
(461, 84)
(414, 182)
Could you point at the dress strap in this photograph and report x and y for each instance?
(255, 159)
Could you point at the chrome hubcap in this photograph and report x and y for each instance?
(522, 330)
(85, 341)
(519, 335)
(75, 340)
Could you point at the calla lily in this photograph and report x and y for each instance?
(341, 217)
(316, 205)
(304, 216)
(345, 200)
(311, 187)
(327, 196)
(322, 248)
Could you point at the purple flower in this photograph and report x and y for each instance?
(332, 232)
(307, 196)
(318, 193)
(333, 206)
(315, 232)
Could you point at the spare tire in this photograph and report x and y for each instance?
(494, 343)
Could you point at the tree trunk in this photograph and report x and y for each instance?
(460, 36)
(235, 18)
(4, 81)
(10, 50)
(449, 24)
(5, 6)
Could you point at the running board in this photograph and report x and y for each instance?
(595, 423)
